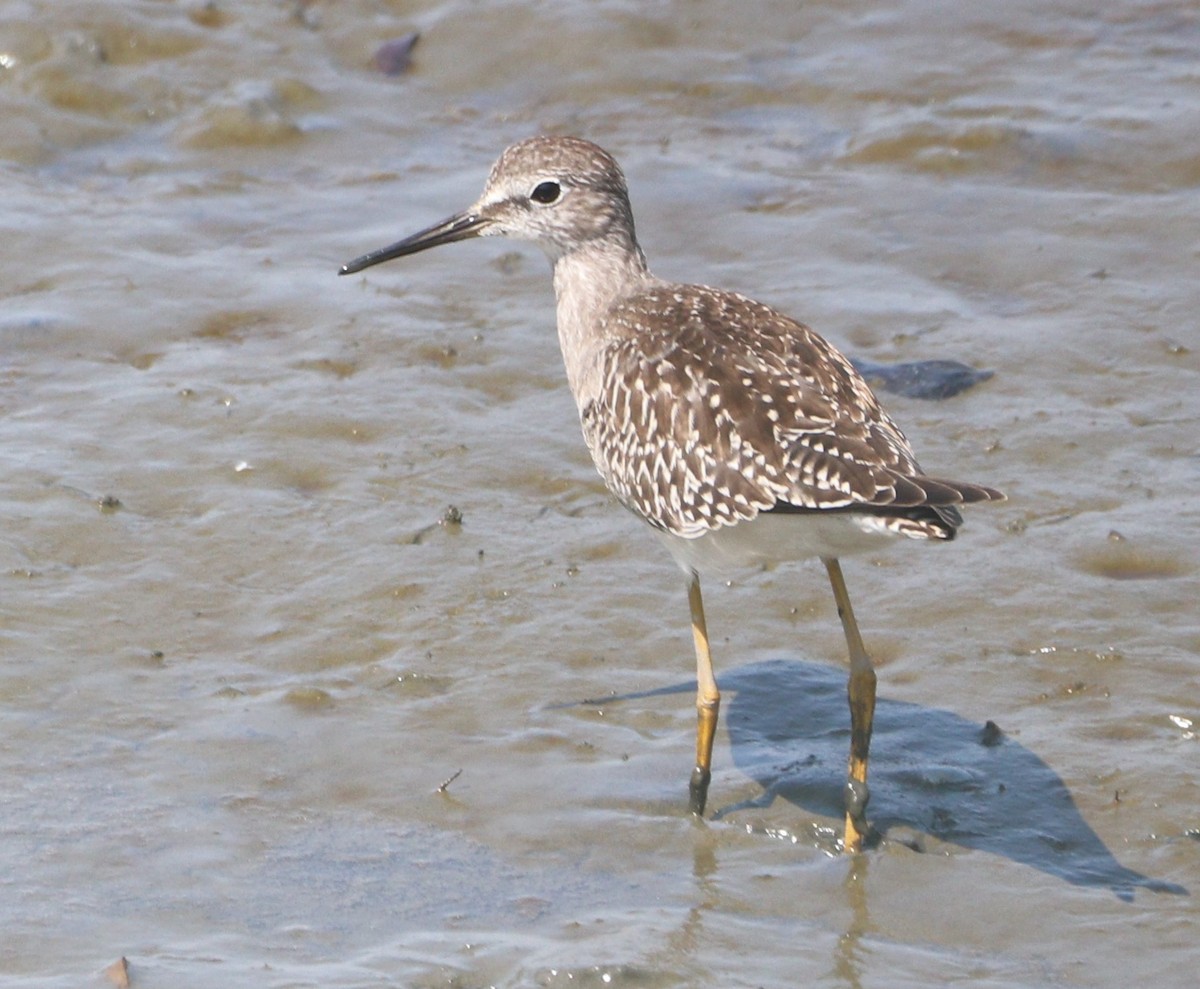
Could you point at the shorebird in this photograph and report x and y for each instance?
(739, 435)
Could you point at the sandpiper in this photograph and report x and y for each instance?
(739, 435)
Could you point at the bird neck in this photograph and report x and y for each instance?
(588, 282)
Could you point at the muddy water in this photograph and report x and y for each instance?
(243, 645)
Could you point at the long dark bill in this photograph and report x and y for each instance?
(458, 227)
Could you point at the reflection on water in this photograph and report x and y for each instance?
(848, 964)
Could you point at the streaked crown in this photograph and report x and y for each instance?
(559, 191)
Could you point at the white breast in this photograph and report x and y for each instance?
(772, 538)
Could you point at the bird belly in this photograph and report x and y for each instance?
(771, 538)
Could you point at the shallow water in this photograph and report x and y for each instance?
(242, 645)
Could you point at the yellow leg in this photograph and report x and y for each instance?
(708, 701)
(862, 712)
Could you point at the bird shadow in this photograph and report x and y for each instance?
(931, 771)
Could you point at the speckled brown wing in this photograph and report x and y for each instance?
(715, 408)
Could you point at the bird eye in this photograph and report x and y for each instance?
(546, 193)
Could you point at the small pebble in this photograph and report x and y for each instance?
(932, 380)
(394, 57)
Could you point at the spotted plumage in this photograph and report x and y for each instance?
(714, 408)
(740, 435)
